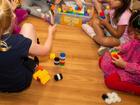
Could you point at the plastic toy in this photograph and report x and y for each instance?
(62, 56)
(107, 7)
(52, 55)
(51, 5)
(56, 60)
(38, 42)
(88, 11)
(58, 77)
(110, 98)
(59, 10)
(102, 15)
(38, 67)
(62, 62)
(77, 8)
(114, 53)
(74, 16)
(74, 9)
(42, 76)
(62, 59)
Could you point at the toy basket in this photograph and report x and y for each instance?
(74, 18)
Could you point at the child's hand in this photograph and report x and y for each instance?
(52, 29)
(96, 21)
(79, 3)
(119, 62)
(104, 22)
(14, 4)
(117, 48)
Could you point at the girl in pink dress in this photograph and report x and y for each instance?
(123, 73)
(115, 24)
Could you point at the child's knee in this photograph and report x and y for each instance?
(28, 25)
(100, 41)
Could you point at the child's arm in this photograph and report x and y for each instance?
(119, 62)
(122, 49)
(125, 47)
(116, 32)
(98, 6)
(42, 50)
(105, 22)
(133, 68)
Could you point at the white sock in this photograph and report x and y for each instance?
(89, 30)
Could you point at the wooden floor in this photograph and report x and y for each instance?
(83, 82)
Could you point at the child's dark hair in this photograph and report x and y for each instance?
(119, 11)
(134, 21)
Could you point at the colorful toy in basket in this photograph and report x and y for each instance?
(102, 14)
(73, 15)
(41, 75)
(74, 9)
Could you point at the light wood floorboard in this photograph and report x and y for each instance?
(83, 82)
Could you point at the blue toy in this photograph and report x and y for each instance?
(62, 56)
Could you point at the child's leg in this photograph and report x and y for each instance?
(106, 64)
(108, 41)
(113, 81)
(87, 26)
(28, 31)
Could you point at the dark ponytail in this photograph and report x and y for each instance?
(118, 12)
(134, 21)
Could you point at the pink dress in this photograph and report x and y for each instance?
(130, 52)
(123, 20)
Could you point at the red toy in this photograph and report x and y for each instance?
(114, 53)
(102, 15)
